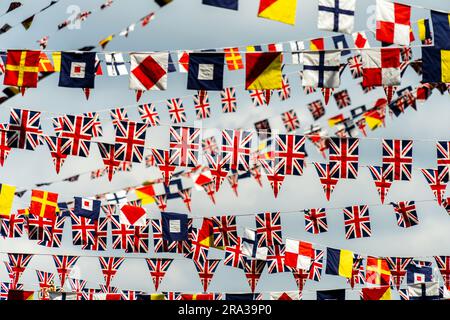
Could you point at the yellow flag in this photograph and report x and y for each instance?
(278, 10)
(56, 60)
(6, 199)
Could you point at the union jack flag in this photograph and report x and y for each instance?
(149, 161)
(164, 163)
(327, 178)
(285, 92)
(64, 265)
(259, 97)
(443, 263)
(397, 159)
(186, 196)
(172, 295)
(176, 110)
(381, 183)
(109, 266)
(117, 115)
(300, 277)
(224, 231)
(233, 179)
(83, 230)
(256, 174)
(13, 226)
(24, 129)
(17, 265)
(184, 146)
(132, 239)
(316, 220)
(406, 213)
(97, 130)
(228, 99)
(39, 228)
(55, 146)
(268, 229)
(436, 180)
(358, 272)
(315, 270)
(210, 190)
(206, 270)
(149, 115)
(158, 269)
(275, 259)
(290, 154)
(201, 105)
(342, 99)
(317, 109)
(108, 154)
(234, 256)
(443, 159)
(4, 289)
(161, 202)
(253, 270)
(344, 156)
(209, 146)
(406, 54)
(355, 65)
(198, 251)
(290, 120)
(76, 135)
(78, 286)
(4, 147)
(100, 237)
(46, 284)
(398, 268)
(273, 175)
(130, 141)
(235, 149)
(217, 169)
(57, 231)
(357, 222)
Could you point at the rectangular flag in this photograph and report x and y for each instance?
(206, 71)
(263, 70)
(441, 29)
(278, 10)
(435, 65)
(339, 262)
(174, 226)
(298, 254)
(88, 208)
(226, 4)
(77, 70)
(6, 199)
(145, 194)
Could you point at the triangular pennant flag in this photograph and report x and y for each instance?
(253, 270)
(389, 91)
(437, 182)
(109, 266)
(161, 202)
(158, 269)
(27, 22)
(186, 197)
(138, 94)
(327, 178)
(17, 265)
(64, 266)
(233, 180)
(217, 168)
(381, 183)
(87, 92)
(206, 269)
(273, 176)
(210, 191)
(327, 93)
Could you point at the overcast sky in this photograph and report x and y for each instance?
(188, 24)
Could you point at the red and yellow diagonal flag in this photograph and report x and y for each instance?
(278, 10)
(22, 67)
(43, 204)
(263, 70)
(45, 64)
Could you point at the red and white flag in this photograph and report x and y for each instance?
(299, 254)
(149, 71)
(393, 22)
(133, 215)
(381, 67)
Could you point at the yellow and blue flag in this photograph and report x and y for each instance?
(441, 29)
(436, 65)
(339, 262)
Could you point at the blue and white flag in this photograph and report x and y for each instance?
(206, 71)
(321, 69)
(419, 272)
(250, 246)
(336, 15)
(115, 65)
(77, 70)
(174, 226)
(340, 43)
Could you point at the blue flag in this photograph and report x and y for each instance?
(77, 70)
(441, 29)
(419, 272)
(206, 71)
(340, 42)
(226, 4)
(174, 226)
(338, 294)
(88, 208)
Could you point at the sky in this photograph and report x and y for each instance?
(188, 24)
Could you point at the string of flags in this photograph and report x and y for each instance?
(373, 277)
